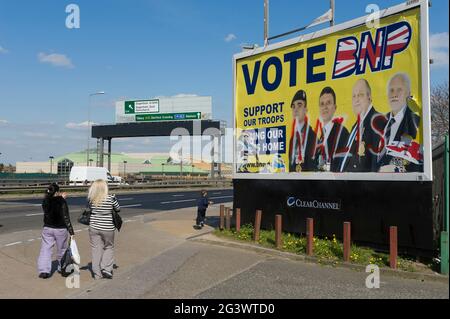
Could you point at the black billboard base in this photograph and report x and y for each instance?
(370, 206)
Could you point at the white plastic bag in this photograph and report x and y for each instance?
(75, 254)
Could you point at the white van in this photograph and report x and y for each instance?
(80, 174)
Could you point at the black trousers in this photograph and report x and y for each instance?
(200, 216)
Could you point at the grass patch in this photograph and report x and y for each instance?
(325, 249)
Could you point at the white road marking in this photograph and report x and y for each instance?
(217, 193)
(221, 197)
(179, 201)
(77, 231)
(121, 199)
(39, 214)
(12, 244)
(135, 205)
(30, 240)
(178, 195)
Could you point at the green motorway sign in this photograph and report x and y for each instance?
(142, 106)
(168, 117)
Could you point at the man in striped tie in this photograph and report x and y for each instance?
(401, 129)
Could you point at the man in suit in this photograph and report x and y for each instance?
(331, 133)
(362, 145)
(400, 131)
(301, 144)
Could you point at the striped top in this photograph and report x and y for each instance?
(101, 216)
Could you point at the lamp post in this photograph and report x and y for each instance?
(51, 164)
(90, 162)
(124, 168)
(89, 122)
(163, 164)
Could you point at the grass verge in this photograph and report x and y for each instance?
(326, 249)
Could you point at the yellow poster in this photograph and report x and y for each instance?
(347, 102)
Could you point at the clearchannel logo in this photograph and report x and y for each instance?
(313, 203)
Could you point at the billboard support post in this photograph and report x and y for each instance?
(309, 236)
(346, 241)
(332, 6)
(444, 234)
(278, 229)
(393, 247)
(266, 22)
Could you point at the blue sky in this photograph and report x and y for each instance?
(137, 49)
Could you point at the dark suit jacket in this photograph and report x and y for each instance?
(335, 145)
(309, 160)
(406, 130)
(371, 139)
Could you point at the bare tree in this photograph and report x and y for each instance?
(439, 112)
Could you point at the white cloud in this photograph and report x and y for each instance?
(35, 134)
(3, 122)
(55, 59)
(3, 50)
(79, 126)
(439, 46)
(230, 37)
(175, 96)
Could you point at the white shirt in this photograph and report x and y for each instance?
(298, 128)
(327, 128)
(398, 120)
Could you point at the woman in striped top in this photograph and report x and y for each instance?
(101, 229)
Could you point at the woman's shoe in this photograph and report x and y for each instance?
(44, 275)
(106, 274)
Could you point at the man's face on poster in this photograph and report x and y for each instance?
(299, 110)
(398, 94)
(327, 107)
(361, 98)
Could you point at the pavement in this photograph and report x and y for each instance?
(161, 256)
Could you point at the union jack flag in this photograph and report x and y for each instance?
(346, 56)
(398, 40)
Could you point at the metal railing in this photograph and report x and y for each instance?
(38, 186)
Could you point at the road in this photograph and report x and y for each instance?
(160, 255)
(26, 214)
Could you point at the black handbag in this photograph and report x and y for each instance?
(66, 261)
(117, 220)
(85, 217)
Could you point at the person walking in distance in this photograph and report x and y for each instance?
(102, 229)
(202, 204)
(57, 227)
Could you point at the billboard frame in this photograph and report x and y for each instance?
(427, 174)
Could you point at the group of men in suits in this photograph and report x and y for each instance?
(367, 147)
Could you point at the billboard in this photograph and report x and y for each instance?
(349, 103)
(180, 108)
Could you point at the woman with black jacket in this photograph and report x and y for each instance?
(57, 227)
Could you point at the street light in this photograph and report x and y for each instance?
(90, 162)
(51, 164)
(124, 168)
(163, 164)
(89, 122)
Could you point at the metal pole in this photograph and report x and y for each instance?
(109, 154)
(332, 6)
(446, 187)
(89, 130)
(444, 234)
(266, 22)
